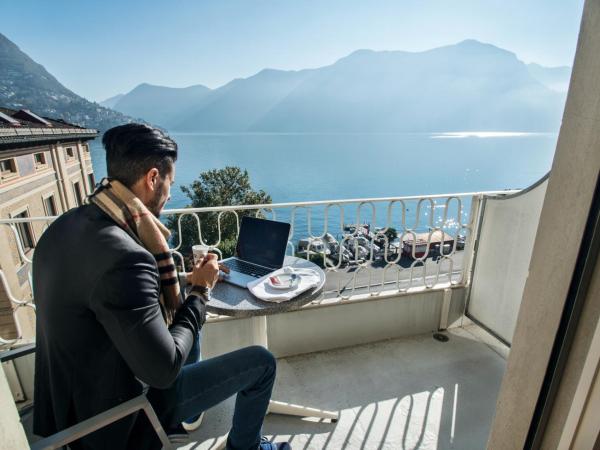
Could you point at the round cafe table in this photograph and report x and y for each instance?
(229, 300)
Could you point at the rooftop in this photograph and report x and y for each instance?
(28, 119)
(22, 127)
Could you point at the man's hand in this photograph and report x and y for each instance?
(206, 272)
(188, 275)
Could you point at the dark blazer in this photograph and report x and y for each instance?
(100, 332)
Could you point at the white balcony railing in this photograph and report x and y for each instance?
(348, 238)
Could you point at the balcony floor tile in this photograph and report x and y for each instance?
(399, 394)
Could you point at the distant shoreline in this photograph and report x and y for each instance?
(432, 134)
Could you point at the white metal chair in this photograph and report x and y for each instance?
(96, 422)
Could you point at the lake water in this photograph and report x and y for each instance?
(306, 167)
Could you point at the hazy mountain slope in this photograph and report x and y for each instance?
(240, 103)
(160, 105)
(556, 78)
(112, 101)
(26, 84)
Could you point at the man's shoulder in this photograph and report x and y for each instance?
(88, 226)
(82, 216)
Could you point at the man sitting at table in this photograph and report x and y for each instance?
(111, 318)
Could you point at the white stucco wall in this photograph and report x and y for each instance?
(342, 324)
(504, 250)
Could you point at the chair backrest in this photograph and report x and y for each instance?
(101, 420)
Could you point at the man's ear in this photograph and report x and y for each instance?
(152, 178)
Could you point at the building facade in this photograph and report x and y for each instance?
(45, 170)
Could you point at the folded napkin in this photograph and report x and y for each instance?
(263, 290)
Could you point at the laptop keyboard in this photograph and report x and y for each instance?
(237, 265)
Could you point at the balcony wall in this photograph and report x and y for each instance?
(341, 323)
(503, 252)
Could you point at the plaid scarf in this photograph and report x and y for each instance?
(128, 211)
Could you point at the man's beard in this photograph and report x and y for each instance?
(154, 205)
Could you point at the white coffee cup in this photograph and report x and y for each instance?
(199, 252)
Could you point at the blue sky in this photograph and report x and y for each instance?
(99, 49)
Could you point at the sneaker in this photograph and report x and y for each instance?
(192, 424)
(265, 444)
(178, 436)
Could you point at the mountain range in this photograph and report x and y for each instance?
(25, 84)
(466, 86)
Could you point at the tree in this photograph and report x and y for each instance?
(218, 187)
(391, 234)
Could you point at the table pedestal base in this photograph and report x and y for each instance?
(259, 335)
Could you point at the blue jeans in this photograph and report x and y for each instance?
(248, 372)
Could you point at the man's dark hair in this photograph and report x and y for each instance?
(133, 149)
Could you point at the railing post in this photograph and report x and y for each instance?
(475, 217)
(445, 311)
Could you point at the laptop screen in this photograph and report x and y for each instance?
(262, 241)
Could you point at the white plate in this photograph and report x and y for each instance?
(286, 281)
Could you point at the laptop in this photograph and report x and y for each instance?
(260, 250)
